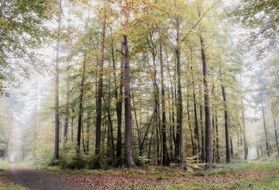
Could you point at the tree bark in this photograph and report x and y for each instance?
(179, 130)
(244, 131)
(196, 129)
(127, 99)
(99, 88)
(265, 131)
(66, 122)
(80, 112)
(57, 119)
(119, 103)
(165, 159)
(217, 137)
(208, 126)
(227, 130)
(276, 134)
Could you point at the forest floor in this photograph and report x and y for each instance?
(242, 176)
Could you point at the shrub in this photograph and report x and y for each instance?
(141, 161)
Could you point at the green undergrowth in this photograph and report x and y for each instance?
(266, 183)
(11, 187)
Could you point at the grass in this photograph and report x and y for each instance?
(11, 187)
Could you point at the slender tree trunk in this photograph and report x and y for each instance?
(213, 136)
(81, 99)
(179, 105)
(276, 134)
(72, 129)
(170, 127)
(57, 119)
(119, 103)
(165, 159)
(127, 99)
(227, 130)
(202, 135)
(196, 129)
(174, 129)
(110, 139)
(231, 145)
(137, 124)
(99, 88)
(87, 130)
(190, 125)
(156, 104)
(217, 137)
(244, 131)
(208, 126)
(265, 131)
(66, 122)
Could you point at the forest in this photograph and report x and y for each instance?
(139, 94)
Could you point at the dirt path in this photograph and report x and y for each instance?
(40, 180)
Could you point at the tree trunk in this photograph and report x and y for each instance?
(227, 130)
(165, 158)
(244, 132)
(171, 126)
(80, 112)
(217, 137)
(190, 125)
(202, 135)
(57, 120)
(127, 99)
(265, 131)
(208, 126)
(119, 103)
(196, 129)
(87, 130)
(179, 105)
(99, 89)
(276, 134)
(66, 122)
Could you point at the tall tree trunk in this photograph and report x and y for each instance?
(265, 131)
(208, 126)
(190, 125)
(119, 103)
(99, 88)
(156, 103)
(227, 130)
(179, 105)
(217, 137)
(231, 145)
(165, 159)
(66, 122)
(196, 129)
(276, 134)
(127, 99)
(110, 139)
(174, 129)
(80, 111)
(202, 134)
(57, 120)
(87, 130)
(171, 125)
(244, 131)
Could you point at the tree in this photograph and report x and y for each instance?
(99, 87)
(57, 119)
(227, 130)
